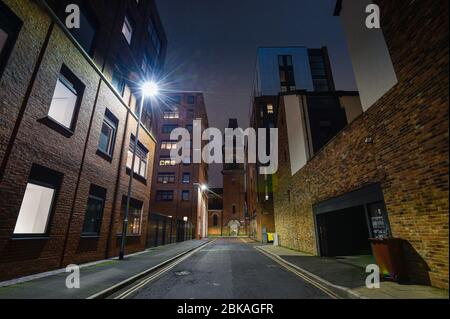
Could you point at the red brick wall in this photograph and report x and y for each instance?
(409, 155)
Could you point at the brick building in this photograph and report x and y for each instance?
(287, 69)
(178, 205)
(68, 105)
(215, 212)
(386, 172)
(234, 215)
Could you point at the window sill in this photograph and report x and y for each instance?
(87, 236)
(56, 126)
(25, 237)
(105, 156)
(141, 179)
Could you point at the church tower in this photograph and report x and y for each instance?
(234, 216)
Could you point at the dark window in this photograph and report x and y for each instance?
(215, 220)
(94, 211)
(185, 196)
(166, 178)
(234, 209)
(10, 26)
(66, 99)
(154, 37)
(37, 203)
(287, 78)
(190, 114)
(85, 34)
(175, 99)
(191, 99)
(168, 128)
(318, 70)
(186, 178)
(119, 76)
(108, 134)
(164, 196)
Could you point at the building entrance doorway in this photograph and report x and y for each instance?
(345, 224)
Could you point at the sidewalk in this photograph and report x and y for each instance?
(97, 277)
(349, 278)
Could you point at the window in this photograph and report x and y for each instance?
(37, 202)
(318, 70)
(10, 26)
(127, 29)
(286, 69)
(176, 99)
(166, 161)
(233, 209)
(154, 37)
(119, 75)
(108, 134)
(190, 127)
(191, 99)
(164, 196)
(66, 99)
(190, 114)
(140, 164)
(168, 128)
(85, 35)
(185, 196)
(186, 178)
(270, 109)
(171, 115)
(134, 216)
(166, 178)
(215, 220)
(94, 211)
(169, 145)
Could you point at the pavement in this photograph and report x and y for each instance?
(229, 268)
(346, 276)
(95, 278)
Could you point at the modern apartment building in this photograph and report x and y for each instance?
(303, 73)
(179, 207)
(68, 105)
(385, 174)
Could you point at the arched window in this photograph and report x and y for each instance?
(234, 209)
(215, 220)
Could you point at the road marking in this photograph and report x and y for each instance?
(299, 274)
(159, 273)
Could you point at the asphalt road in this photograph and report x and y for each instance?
(228, 269)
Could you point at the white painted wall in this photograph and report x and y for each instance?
(267, 70)
(370, 56)
(297, 136)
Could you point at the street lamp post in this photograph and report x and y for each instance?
(148, 89)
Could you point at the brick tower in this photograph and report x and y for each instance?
(234, 219)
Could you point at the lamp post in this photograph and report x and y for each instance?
(149, 89)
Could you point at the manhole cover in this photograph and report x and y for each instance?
(182, 273)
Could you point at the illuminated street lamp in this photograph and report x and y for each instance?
(149, 89)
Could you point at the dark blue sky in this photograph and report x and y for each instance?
(213, 43)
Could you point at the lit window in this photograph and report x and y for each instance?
(37, 202)
(140, 162)
(166, 161)
(171, 115)
(269, 108)
(169, 145)
(127, 30)
(64, 102)
(134, 216)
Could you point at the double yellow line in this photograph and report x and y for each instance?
(125, 294)
(286, 265)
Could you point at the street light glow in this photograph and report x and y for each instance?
(203, 187)
(150, 89)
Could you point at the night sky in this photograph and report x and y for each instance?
(212, 48)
